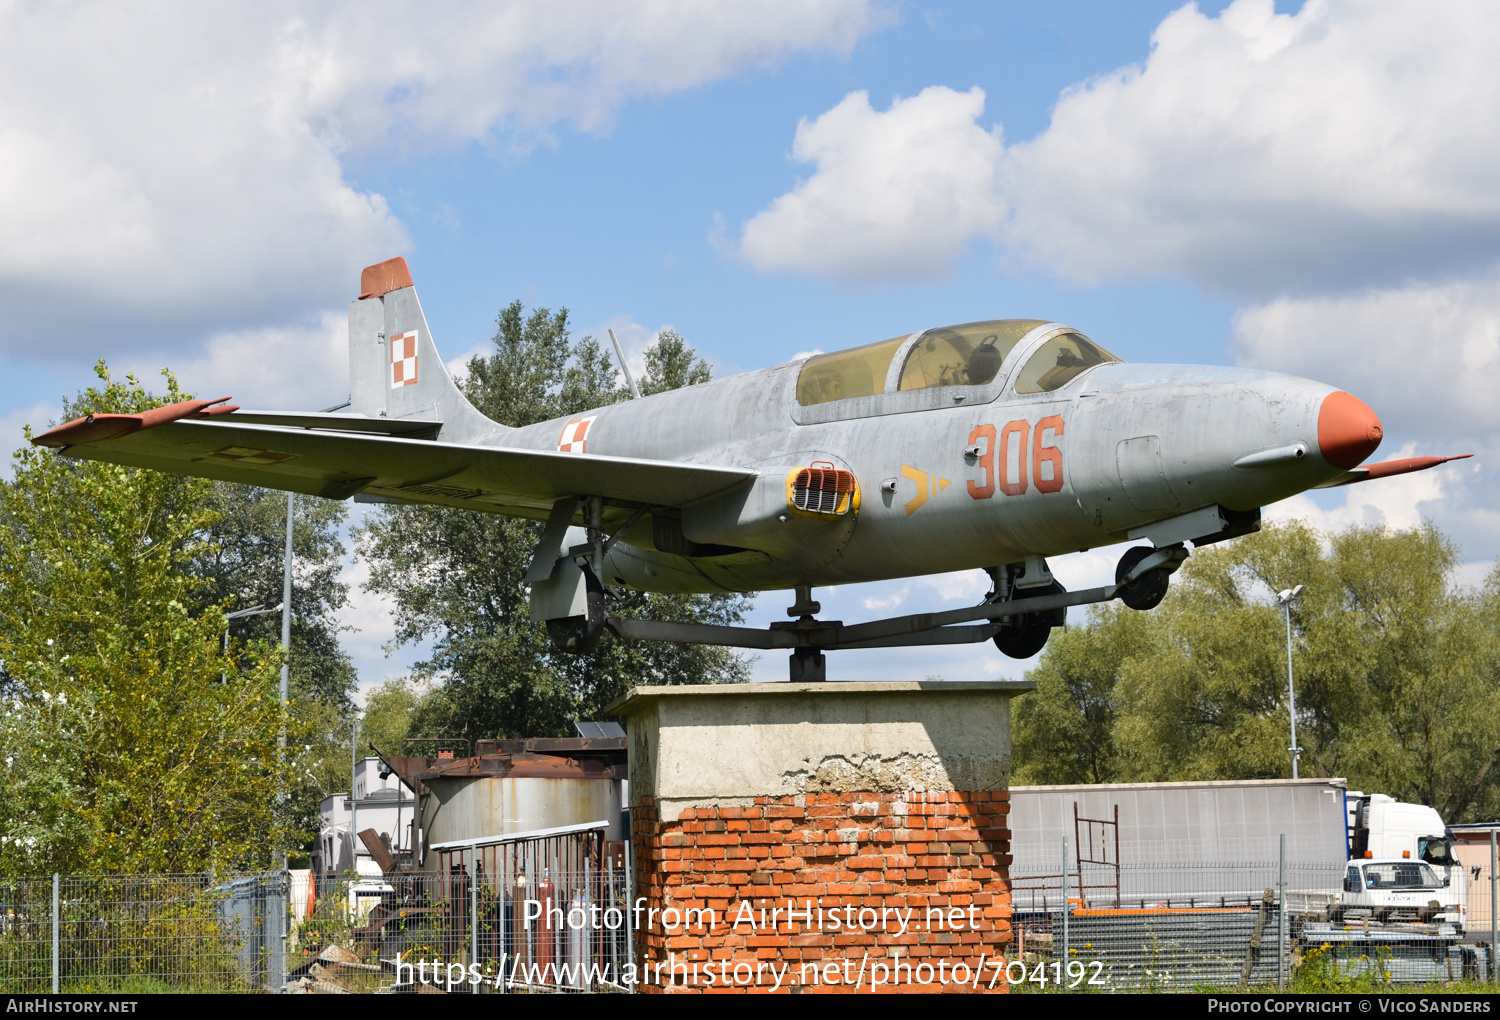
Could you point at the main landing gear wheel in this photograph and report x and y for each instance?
(1146, 591)
(1027, 634)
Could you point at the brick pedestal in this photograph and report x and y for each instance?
(875, 812)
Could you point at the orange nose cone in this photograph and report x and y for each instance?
(1348, 431)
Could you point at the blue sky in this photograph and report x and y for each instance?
(1311, 189)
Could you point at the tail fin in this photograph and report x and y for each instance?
(394, 367)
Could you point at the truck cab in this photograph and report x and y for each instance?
(1401, 890)
(1386, 833)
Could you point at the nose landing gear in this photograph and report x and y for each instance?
(1144, 589)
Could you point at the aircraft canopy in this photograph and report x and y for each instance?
(1058, 361)
(969, 354)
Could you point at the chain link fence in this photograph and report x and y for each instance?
(527, 922)
(554, 915)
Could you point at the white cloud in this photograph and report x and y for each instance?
(634, 340)
(1256, 152)
(1426, 358)
(897, 195)
(296, 368)
(12, 437)
(1401, 502)
(170, 168)
(888, 600)
(373, 617)
(968, 585)
(1345, 145)
(458, 365)
(464, 70)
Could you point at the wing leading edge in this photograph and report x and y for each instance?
(338, 464)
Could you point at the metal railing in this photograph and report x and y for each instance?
(1198, 925)
(555, 913)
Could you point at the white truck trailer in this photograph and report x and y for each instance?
(1195, 844)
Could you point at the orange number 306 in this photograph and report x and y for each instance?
(1007, 471)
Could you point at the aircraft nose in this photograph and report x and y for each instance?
(1348, 431)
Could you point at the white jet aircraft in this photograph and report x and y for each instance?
(988, 444)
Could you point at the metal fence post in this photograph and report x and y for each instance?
(630, 907)
(277, 901)
(1063, 972)
(473, 905)
(56, 935)
(1281, 928)
(1494, 922)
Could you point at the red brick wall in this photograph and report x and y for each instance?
(897, 851)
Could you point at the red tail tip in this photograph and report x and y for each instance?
(384, 277)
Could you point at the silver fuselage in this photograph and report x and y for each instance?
(1134, 444)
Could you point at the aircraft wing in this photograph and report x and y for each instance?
(319, 461)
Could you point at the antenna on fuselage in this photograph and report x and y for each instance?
(623, 367)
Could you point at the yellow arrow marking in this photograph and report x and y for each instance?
(920, 477)
(927, 487)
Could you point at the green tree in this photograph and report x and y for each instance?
(1065, 730)
(1397, 673)
(389, 709)
(129, 742)
(456, 576)
(244, 566)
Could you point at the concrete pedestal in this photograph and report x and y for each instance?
(874, 812)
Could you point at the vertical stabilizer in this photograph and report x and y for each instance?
(394, 367)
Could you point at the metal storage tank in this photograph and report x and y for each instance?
(505, 790)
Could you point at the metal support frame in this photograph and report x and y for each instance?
(1084, 830)
(809, 637)
(831, 635)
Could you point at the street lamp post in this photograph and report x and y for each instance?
(354, 792)
(284, 908)
(240, 614)
(1284, 600)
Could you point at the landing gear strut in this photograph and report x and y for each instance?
(808, 665)
(1022, 636)
(579, 634)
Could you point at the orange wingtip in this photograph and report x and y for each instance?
(96, 427)
(384, 277)
(1408, 464)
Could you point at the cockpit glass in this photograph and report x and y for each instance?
(859, 372)
(1405, 875)
(1058, 361)
(966, 355)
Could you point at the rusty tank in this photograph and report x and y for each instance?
(509, 787)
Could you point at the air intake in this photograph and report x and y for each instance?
(822, 490)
